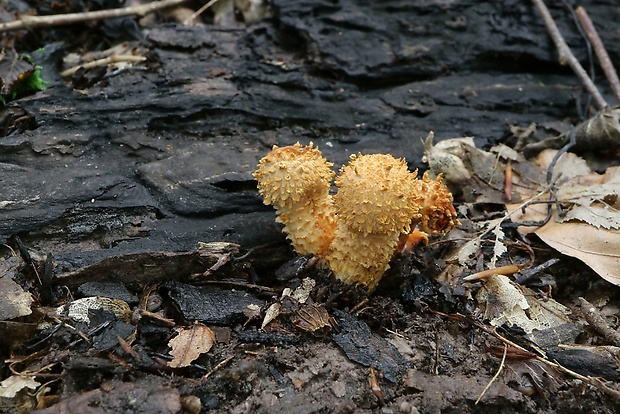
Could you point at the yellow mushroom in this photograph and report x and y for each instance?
(380, 207)
(437, 213)
(296, 181)
(375, 204)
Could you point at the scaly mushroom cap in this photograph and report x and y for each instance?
(296, 181)
(292, 175)
(377, 194)
(437, 213)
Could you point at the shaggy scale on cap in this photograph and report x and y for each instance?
(377, 194)
(296, 181)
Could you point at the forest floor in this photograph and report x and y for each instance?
(143, 273)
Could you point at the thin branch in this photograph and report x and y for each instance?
(599, 49)
(217, 367)
(499, 370)
(31, 22)
(595, 382)
(566, 57)
(199, 12)
(102, 62)
(596, 320)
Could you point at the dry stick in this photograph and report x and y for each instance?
(199, 12)
(567, 57)
(102, 62)
(596, 320)
(217, 367)
(595, 382)
(499, 370)
(599, 49)
(31, 22)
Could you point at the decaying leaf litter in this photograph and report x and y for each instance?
(150, 347)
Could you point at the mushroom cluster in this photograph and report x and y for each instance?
(379, 206)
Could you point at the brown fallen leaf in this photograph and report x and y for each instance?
(591, 235)
(505, 302)
(587, 225)
(15, 302)
(189, 344)
(478, 175)
(598, 248)
(597, 204)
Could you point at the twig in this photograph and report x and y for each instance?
(595, 382)
(566, 57)
(199, 12)
(240, 284)
(527, 274)
(102, 62)
(583, 112)
(31, 22)
(551, 183)
(572, 141)
(594, 318)
(217, 367)
(10, 248)
(599, 49)
(499, 370)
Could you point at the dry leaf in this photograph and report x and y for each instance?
(507, 153)
(499, 248)
(508, 303)
(272, 312)
(15, 301)
(479, 175)
(466, 252)
(15, 383)
(252, 311)
(473, 246)
(504, 303)
(189, 344)
(598, 248)
(13, 70)
(593, 240)
(567, 167)
(78, 309)
(302, 293)
(583, 194)
(595, 204)
(585, 197)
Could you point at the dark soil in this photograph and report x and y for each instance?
(110, 187)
